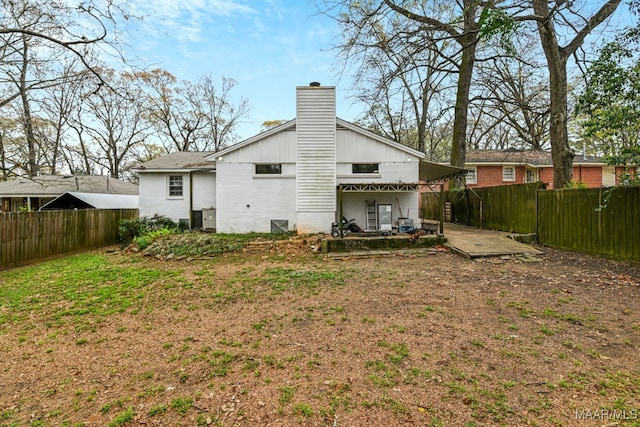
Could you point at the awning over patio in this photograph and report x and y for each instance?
(430, 171)
(379, 188)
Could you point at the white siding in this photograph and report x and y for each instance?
(356, 147)
(248, 203)
(154, 199)
(204, 191)
(316, 165)
(277, 148)
(394, 165)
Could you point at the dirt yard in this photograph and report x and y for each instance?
(279, 336)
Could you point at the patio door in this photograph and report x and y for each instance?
(384, 218)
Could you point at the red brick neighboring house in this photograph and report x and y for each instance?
(490, 168)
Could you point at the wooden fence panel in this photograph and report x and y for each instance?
(568, 219)
(508, 207)
(29, 236)
(430, 207)
(571, 219)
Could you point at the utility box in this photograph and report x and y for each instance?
(208, 219)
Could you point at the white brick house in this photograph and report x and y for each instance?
(299, 176)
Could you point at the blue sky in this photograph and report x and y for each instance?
(268, 46)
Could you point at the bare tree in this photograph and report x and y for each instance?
(510, 105)
(59, 28)
(457, 22)
(116, 126)
(38, 41)
(169, 112)
(192, 116)
(403, 77)
(575, 27)
(56, 109)
(222, 115)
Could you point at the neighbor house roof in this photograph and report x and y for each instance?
(178, 161)
(76, 200)
(54, 185)
(515, 156)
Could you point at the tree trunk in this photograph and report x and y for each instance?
(557, 63)
(459, 138)
(32, 166)
(561, 152)
(468, 42)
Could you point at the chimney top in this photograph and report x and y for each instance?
(314, 84)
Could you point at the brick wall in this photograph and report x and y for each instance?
(491, 176)
(590, 175)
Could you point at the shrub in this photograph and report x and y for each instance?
(130, 229)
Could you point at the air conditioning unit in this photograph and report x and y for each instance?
(209, 219)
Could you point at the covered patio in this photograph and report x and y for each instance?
(385, 209)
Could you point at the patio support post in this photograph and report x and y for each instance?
(340, 225)
(441, 227)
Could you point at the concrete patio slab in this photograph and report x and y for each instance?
(473, 242)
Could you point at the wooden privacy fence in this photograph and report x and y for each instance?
(507, 207)
(571, 219)
(568, 219)
(28, 236)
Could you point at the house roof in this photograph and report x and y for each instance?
(178, 161)
(76, 200)
(514, 156)
(54, 185)
(428, 171)
(291, 125)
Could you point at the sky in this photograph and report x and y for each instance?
(268, 46)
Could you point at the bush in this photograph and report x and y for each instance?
(129, 229)
(143, 241)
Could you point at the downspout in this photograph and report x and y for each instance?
(190, 200)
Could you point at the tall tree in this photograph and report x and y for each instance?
(575, 28)
(192, 116)
(116, 125)
(60, 29)
(403, 75)
(222, 115)
(167, 109)
(38, 39)
(458, 22)
(610, 102)
(510, 104)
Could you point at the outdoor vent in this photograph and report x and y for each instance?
(314, 84)
(279, 225)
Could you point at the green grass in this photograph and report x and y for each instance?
(245, 286)
(73, 287)
(182, 405)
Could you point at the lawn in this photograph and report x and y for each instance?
(275, 334)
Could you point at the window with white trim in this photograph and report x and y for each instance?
(530, 175)
(175, 186)
(268, 168)
(365, 168)
(508, 173)
(472, 176)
